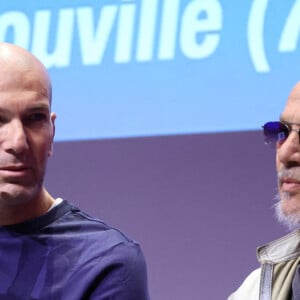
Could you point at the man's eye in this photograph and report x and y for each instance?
(3, 119)
(37, 117)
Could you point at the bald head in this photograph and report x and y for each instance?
(291, 112)
(295, 93)
(17, 64)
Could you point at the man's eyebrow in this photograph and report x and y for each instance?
(39, 107)
(35, 108)
(4, 111)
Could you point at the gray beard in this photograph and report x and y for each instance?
(291, 220)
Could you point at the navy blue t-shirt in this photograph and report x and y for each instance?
(68, 255)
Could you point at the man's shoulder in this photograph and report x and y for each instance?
(117, 259)
(83, 228)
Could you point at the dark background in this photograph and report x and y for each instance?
(198, 204)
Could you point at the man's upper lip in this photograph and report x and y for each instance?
(289, 180)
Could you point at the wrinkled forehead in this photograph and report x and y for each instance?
(21, 84)
(291, 112)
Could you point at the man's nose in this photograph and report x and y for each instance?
(15, 137)
(289, 152)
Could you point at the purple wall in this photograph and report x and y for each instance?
(198, 204)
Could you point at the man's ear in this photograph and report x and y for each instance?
(50, 152)
(52, 119)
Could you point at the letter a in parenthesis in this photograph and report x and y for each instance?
(255, 35)
(291, 31)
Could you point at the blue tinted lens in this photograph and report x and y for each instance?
(275, 132)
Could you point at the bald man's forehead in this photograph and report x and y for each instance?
(291, 112)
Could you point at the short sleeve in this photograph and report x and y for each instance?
(124, 276)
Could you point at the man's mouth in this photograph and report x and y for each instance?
(289, 184)
(15, 170)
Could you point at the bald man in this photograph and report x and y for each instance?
(278, 278)
(49, 248)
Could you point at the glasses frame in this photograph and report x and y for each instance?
(282, 134)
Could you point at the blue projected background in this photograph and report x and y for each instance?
(160, 67)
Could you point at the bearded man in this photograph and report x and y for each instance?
(278, 277)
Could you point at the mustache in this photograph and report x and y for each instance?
(292, 173)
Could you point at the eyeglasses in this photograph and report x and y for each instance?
(277, 132)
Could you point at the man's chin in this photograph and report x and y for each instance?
(15, 195)
(287, 210)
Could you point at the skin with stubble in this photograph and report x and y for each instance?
(288, 165)
(26, 135)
